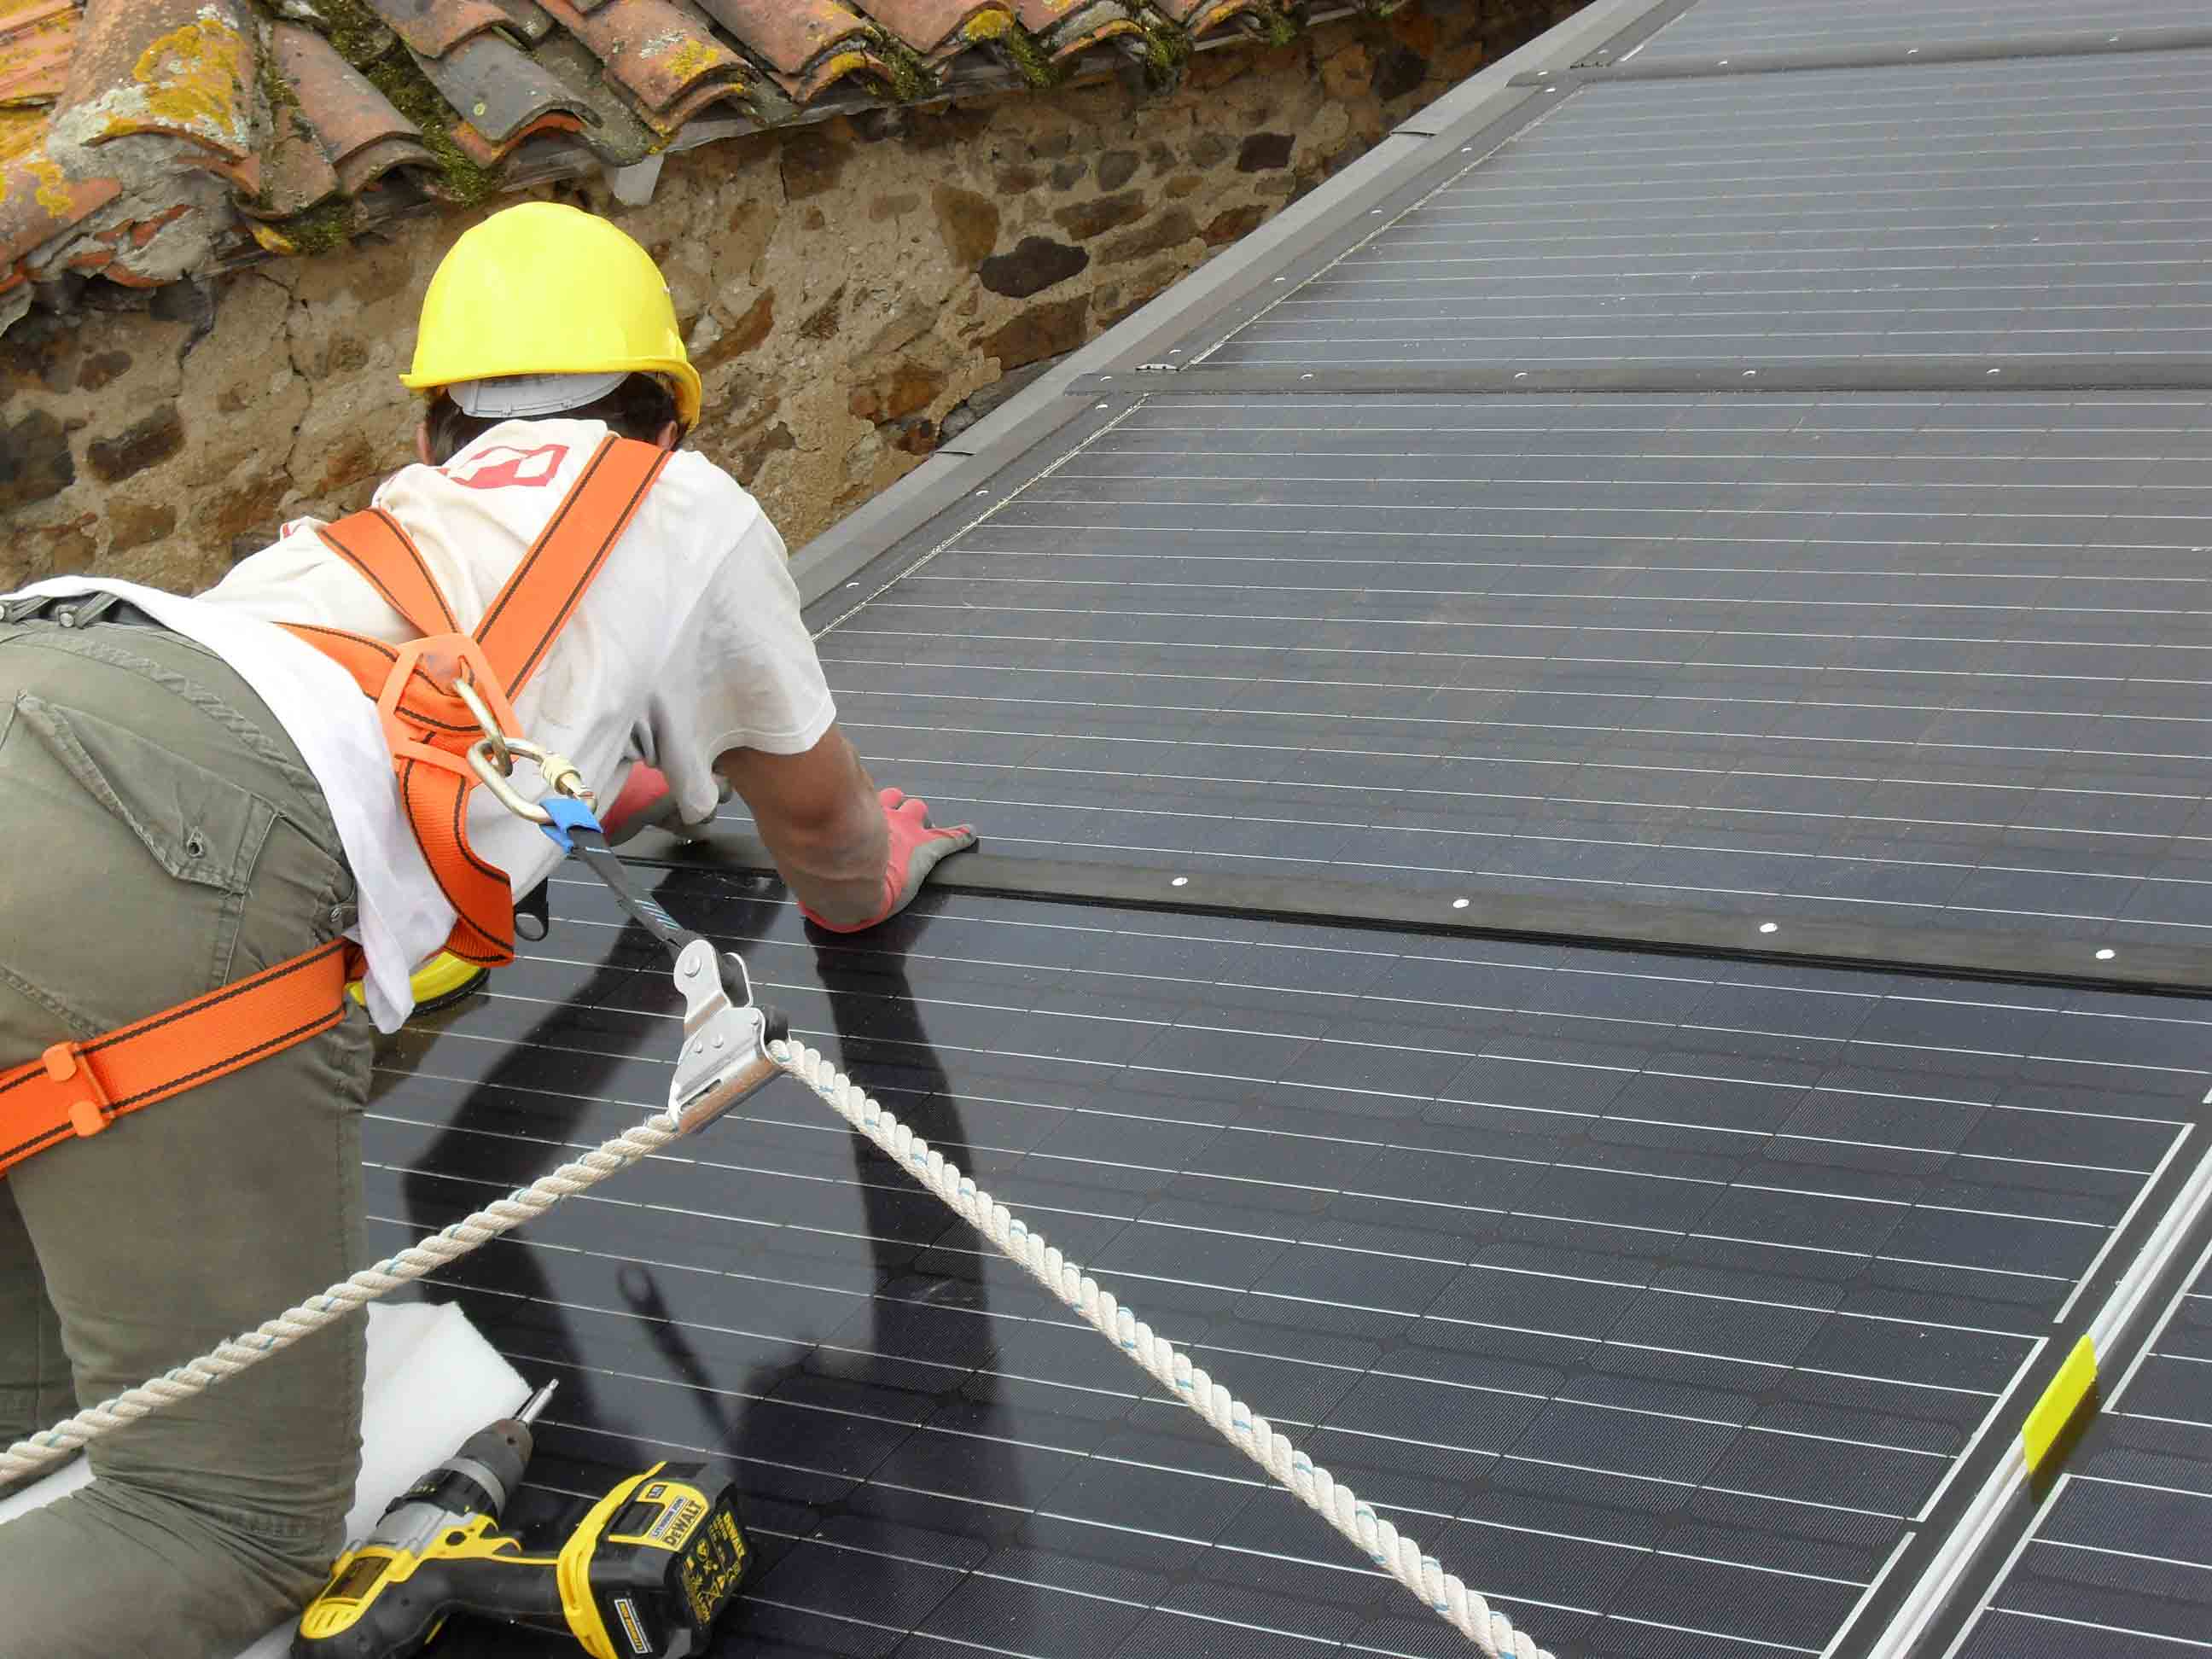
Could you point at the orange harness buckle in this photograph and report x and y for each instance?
(445, 661)
(88, 1113)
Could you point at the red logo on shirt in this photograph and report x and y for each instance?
(504, 468)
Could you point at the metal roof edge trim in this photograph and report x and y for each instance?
(1689, 376)
(2096, 43)
(1042, 408)
(1967, 1549)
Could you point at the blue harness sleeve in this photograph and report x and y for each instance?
(568, 816)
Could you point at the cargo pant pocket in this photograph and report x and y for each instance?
(128, 848)
(197, 825)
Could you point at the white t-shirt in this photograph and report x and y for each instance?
(688, 644)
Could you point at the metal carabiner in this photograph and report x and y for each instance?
(560, 774)
(503, 749)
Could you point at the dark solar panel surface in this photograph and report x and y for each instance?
(1902, 660)
(2120, 1561)
(1719, 27)
(1657, 1296)
(2043, 206)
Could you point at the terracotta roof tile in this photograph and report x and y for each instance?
(296, 173)
(662, 53)
(1066, 27)
(807, 46)
(181, 68)
(35, 39)
(434, 27)
(37, 203)
(503, 92)
(363, 136)
(789, 34)
(940, 28)
(527, 90)
(615, 127)
(529, 23)
(1203, 16)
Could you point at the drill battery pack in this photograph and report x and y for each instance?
(646, 1573)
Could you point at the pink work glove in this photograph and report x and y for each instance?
(917, 847)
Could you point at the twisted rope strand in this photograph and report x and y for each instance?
(1442, 1592)
(425, 1255)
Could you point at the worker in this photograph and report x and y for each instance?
(195, 797)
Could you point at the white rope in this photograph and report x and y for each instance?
(26, 1457)
(1442, 1592)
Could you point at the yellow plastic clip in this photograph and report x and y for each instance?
(2047, 1422)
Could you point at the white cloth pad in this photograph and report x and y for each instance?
(432, 1382)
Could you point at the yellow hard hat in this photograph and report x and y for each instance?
(543, 289)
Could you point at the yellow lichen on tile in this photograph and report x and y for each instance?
(691, 58)
(843, 63)
(197, 80)
(271, 238)
(22, 130)
(988, 26)
(50, 187)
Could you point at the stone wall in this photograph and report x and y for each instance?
(845, 288)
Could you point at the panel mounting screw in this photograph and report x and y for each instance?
(1184, 881)
(2105, 955)
(1769, 927)
(1459, 905)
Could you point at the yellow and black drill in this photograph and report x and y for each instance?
(644, 1575)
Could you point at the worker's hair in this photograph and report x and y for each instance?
(638, 408)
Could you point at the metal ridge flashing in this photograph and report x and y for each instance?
(1041, 409)
(2078, 43)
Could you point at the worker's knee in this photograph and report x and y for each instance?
(112, 1570)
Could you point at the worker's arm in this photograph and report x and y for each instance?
(854, 856)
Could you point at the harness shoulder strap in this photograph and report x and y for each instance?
(373, 544)
(520, 625)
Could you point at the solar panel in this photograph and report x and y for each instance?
(1723, 27)
(2041, 207)
(1658, 1298)
(2120, 1556)
(1919, 660)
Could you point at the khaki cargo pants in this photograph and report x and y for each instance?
(161, 836)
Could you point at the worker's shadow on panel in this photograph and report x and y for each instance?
(903, 1356)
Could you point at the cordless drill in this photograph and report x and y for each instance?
(643, 1576)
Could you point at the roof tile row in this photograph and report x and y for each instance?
(111, 109)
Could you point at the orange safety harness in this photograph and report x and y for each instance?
(423, 692)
